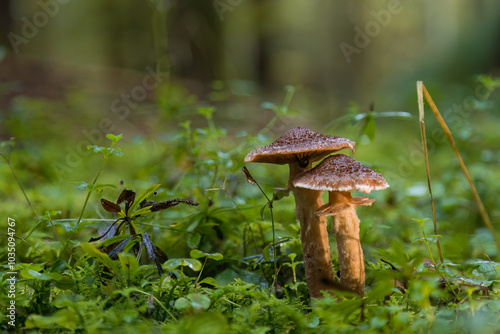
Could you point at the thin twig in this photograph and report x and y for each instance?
(250, 179)
(239, 210)
(482, 209)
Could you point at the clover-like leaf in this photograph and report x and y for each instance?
(113, 151)
(191, 263)
(95, 148)
(114, 138)
(196, 254)
(194, 301)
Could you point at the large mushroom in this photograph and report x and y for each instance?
(339, 174)
(299, 148)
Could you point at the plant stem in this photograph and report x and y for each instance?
(434, 263)
(7, 161)
(270, 206)
(201, 271)
(158, 302)
(54, 228)
(86, 202)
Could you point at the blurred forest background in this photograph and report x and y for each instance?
(101, 50)
(72, 71)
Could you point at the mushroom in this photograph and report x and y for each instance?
(339, 174)
(299, 148)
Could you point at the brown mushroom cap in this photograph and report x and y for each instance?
(341, 173)
(297, 144)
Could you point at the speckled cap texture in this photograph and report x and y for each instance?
(341, 173)
(297, 144)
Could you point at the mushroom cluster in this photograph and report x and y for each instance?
(338, 174)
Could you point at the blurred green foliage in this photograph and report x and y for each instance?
(220, 271)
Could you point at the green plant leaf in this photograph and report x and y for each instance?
(421, 221)
(194, 264)
(206, 112)
(472, 281)
(101, 186)
(194, 240)
(432, 238)
(129, 266)
(142, 211)
(113, 151)
(262, 211)
(114, 138)
(113, 240)
(208, 280)
(49, 214)
(66, 282)
(196, 254)
(95, 148)
(144, 196)
(58, 266)
(31, 274)
(64, 318)
(266, 253)
(268, 105)
(81, 185)
(103, 258)
(370, 128)
(195, 302)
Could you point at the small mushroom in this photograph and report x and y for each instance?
(299, 148)
(339, 174)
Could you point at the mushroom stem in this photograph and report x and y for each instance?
(313, 235)
(345, 225)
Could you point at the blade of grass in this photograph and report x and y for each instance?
(426, 241)
(482, 209)
(89, 192)
(426, 157)
(241, 213)
(7, 161)
(250, 179)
